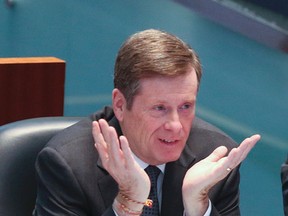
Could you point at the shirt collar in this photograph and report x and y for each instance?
(143, 165)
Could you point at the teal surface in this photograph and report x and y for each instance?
(244, 89)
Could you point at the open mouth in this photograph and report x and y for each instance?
(166, 141)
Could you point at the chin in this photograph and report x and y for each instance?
(171, 158)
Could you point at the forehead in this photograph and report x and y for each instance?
(162, 86)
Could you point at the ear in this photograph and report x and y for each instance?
(118, 103)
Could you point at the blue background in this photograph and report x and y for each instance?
(244, 88)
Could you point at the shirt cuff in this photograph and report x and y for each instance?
(115, 212)
(208, 211)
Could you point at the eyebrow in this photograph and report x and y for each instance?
(187, 100)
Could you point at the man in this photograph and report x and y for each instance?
(151, 122)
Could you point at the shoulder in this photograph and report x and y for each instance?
(80, 133)
(205, 137)
(76, 142)
(74, 148)
(202, 125)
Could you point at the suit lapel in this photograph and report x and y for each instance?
(108, 189)
(172, 203)
(171, 190)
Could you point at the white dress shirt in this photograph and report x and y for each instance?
(143, 165)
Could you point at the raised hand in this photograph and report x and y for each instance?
(118, 160)
(201, 177)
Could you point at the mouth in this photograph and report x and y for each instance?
(168, 141)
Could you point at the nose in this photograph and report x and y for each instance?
(173, 122)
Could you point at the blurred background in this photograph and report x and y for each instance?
(243, 46)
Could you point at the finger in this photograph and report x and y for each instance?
(250, 143)
(126, 151)
(97, 135)
(237, 155)
(95, 131)
(217, 154)
(111, 140)
(113, 148)
(246, 146)
(104, 129)
(115, 151)
(100, 144)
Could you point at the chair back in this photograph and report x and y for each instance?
(20, 143)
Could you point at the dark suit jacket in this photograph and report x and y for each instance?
(71, 180)
(284, 179)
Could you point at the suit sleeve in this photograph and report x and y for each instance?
(59, 192)
(225, 195)
(284, 179)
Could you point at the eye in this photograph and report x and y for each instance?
(159, 108)
(158, 111)
(185, 106)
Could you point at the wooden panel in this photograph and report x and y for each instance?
(31, 87)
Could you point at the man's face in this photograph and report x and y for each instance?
(159, 122)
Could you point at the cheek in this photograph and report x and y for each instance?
(187, 125)
(147, 129)
(147, 134)
(138, 128)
